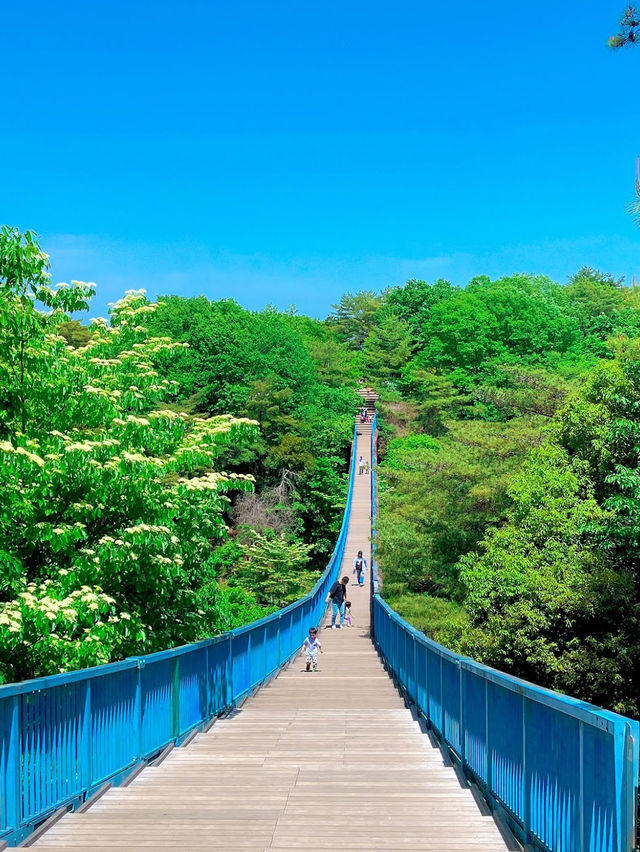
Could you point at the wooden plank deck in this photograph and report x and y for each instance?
(323, 760)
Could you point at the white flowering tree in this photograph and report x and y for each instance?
(110, 503)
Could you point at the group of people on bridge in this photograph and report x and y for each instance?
(341, 606)
(340, 611)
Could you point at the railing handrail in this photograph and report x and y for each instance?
(582, 710)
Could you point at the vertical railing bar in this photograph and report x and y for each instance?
(463, 745)
(138, 709)
(231, 689)
(442, 713)
(427, 701)
(581, 847)
(487, 735)
(175, 698)
(14, 787)
(526, 787)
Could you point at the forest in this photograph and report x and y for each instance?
(509, 526)
(180, 467)
(168, 473)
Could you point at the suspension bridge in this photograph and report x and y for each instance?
(395, 743)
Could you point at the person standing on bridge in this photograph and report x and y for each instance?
(359, 567)
(311, 646)
(338, 595)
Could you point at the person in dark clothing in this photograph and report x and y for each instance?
(338, 595)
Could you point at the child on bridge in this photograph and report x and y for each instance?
(311, 646)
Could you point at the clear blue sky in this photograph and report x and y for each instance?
(287, 152)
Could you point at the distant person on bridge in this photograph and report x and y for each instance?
(360, 465)
(359, 567)
(338, 595)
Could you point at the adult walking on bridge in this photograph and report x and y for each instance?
(338, 595)
(359, 567)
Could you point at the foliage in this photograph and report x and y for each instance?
(629, 31)
(526, 316)
(602, 307)
(542, 601)
(413, 303)
(336, 365)
(109, 503)
(354, 317)
(288, 372)
(509, 520)
(438, 498)
(75, 333)
(273, 567)
(437, 397)
(516, 389)
(387, 349)
(435, 616)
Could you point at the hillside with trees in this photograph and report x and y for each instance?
(509, 524)
(168, 473)
(180, 468)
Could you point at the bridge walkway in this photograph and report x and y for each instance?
(323, 760)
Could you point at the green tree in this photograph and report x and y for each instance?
(109, 503)
(414, 301)
(354, 316)
(516, 389)
(629, 31)
(438, 498)
(543, 604)
(520, 316)
(387, 349)
(603, 307)
(273, 568)
(75, 333)
(24, 281)
(292, 374)
(437, 396)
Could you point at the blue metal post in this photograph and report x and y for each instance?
(629, 796)
(526, 785)
(86, 746)
(208, 684)
(463, 745)
(231, 693)
(138, 708)
(175, 698)
(581, 794)
(13, 791)
(279, 634)
(487, 736)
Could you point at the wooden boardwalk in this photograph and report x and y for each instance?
(324, 760)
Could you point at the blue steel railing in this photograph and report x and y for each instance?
(63, 737)
(561, 772)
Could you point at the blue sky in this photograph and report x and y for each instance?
(288, 152)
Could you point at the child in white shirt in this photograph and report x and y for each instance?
(311, 646)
